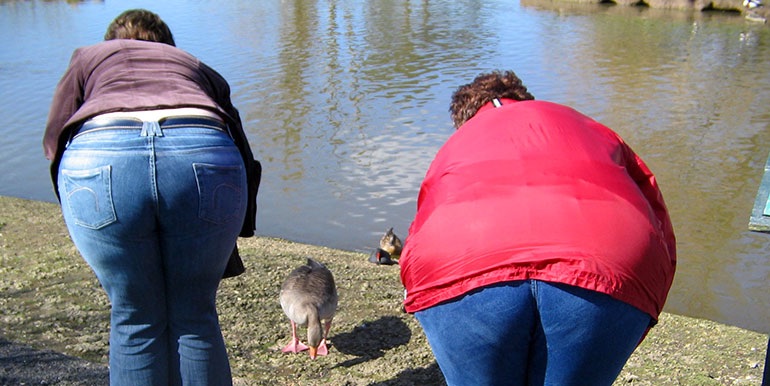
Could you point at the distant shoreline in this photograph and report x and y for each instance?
(757, 15)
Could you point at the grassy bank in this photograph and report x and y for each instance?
(50, 299)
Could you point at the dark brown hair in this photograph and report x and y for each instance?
(468, 99)
(139, 24)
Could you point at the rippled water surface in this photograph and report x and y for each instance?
(345, 103)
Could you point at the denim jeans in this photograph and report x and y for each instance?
(156, 216)
(532, 333)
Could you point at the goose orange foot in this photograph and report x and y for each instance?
(294, 346)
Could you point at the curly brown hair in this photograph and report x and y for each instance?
(468, 99)
(139, 24)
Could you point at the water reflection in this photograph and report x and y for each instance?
(346, 104)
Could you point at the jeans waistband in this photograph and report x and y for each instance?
(166, 123)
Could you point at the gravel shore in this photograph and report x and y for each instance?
(54, 321)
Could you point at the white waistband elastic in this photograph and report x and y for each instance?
(157, 115)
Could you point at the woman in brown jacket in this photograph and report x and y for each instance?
(156, 182)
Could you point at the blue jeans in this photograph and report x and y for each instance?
(156, 217)
(532, 333)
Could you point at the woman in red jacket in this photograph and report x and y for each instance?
(542, 249)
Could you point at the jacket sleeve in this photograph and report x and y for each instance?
(219, 90)
(67, 99)
(648, 185)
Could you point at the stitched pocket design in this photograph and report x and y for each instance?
(88, 195)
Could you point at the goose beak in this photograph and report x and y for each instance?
(313, 352)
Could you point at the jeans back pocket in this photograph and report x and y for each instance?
(220, 192)
(88, 196)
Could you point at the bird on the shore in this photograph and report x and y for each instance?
(381, 257)
(752, 3)
(309, 297)
(391, 243)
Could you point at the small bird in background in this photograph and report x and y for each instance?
(381, 257)
(309, 298)
(391, 243)
(752, 3)
(390, 247)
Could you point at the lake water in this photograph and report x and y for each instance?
(345, 103)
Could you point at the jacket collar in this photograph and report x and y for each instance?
(497, 102)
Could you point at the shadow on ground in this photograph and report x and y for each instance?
(427, 376)
(369, 341)
(23, 365)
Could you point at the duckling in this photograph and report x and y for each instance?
(381, 257)
(391, 244)
(309, 297)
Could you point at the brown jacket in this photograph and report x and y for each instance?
(134, 75)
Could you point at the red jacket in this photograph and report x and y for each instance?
(536, 190)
